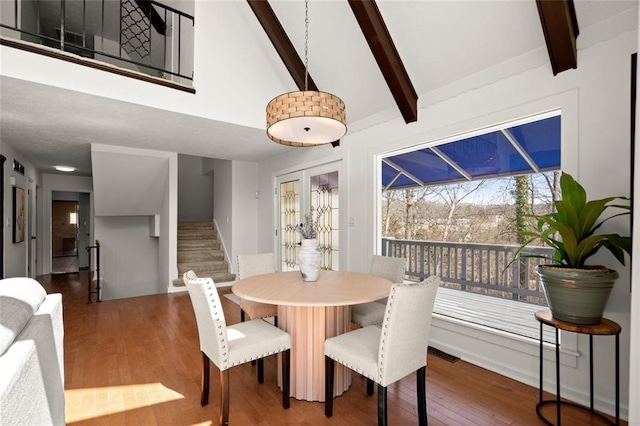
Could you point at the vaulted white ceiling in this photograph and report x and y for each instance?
(52, 118)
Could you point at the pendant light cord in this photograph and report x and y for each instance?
(306, 45)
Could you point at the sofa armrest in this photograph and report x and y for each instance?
(32, 379)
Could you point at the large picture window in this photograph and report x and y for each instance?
(453, 208)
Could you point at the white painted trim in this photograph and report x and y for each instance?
(634, 340)
(332, 163)
(223, 247)
(44, 244)
(453, 336)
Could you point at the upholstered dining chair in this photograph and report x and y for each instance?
(229, 346)
(391, 268)
(389, 353)
(248, 266)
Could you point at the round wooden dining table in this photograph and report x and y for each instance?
(312, 312)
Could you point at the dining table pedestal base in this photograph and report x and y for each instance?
(309, 327)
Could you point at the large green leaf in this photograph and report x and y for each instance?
(594, 209)
(587, 247)
(568, 215)
(617, 245)
(572, 192)
(568, 237)
(590, 214)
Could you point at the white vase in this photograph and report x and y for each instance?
(309, 259)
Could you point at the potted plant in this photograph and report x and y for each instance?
(577, 292)
(309, 256)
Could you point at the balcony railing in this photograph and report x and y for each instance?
(139, 35)
(477, 268)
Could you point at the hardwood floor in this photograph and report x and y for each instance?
(137, 361)
(64, 264)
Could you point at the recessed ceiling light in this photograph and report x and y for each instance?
(65, 168)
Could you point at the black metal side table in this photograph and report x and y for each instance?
(605, 328)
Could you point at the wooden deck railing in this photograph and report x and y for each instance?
(478, 268)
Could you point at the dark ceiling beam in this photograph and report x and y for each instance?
(560, 28)
(281, 42)
(384, 51)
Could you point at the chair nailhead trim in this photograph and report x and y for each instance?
(207, 285)
(275, 351)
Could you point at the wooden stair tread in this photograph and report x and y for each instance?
(200, 250)
(218, 277)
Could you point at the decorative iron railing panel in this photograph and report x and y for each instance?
(140, 35)
(479, 268)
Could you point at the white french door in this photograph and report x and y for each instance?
(297, 192)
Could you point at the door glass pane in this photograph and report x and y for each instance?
(324, 196)
(289, 217)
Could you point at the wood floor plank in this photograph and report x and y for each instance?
(137, 361)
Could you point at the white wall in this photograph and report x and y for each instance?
(213, 37)
(236, 207)
(168, 239)
(127, 181)
(595, 134)
(132, 186)
(223, 202)
(634, 367)
(16, 254)
(245, 209)
(129, 261)
(195, 190)
(85, 218)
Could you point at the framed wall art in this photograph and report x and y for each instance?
(18, 214)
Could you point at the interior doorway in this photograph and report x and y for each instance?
(298, 192)
(64, 237)
(69, 231)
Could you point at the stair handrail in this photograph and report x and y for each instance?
(97, 291)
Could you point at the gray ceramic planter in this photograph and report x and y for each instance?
(577, 296)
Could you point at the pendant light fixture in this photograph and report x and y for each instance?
(309, 117)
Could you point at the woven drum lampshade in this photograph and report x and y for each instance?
(306, 118)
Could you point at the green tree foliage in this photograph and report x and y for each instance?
(477, 211)
(522, 207)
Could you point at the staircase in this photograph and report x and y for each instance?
(199, 250)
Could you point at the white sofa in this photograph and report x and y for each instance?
(31, 354)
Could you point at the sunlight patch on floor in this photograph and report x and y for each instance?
(89, 403)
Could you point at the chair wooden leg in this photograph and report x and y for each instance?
(261, 370)
(286, 378)
(242, 318)
(369, 387)
(329, 366)
(382, 406)
(224, 397)
(421, 390)
(204, 381)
